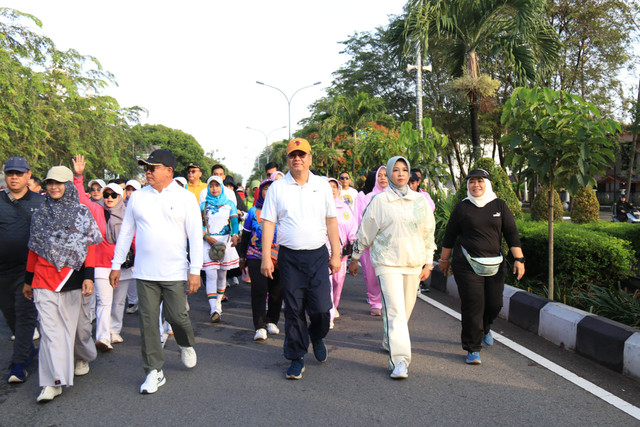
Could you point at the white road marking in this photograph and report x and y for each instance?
(588, 386)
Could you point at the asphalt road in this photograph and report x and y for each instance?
(240, 382)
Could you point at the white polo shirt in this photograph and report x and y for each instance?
(300, 211)
(161, 222)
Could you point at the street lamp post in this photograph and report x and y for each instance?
(266, 137)
(288, 98)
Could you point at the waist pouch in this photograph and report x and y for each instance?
(487, 266)
(217, 250)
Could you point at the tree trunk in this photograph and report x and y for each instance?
(634, 142)
(550, 218)
(475, 128)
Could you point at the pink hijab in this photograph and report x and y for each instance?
(362, 201)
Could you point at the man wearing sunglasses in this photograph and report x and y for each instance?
(195, 185)
(301, 205)
(349, 193)
(17, 204)
(162, 215)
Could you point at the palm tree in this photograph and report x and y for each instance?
(351, 114)
(465, 30)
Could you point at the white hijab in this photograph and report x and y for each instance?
(487, 197)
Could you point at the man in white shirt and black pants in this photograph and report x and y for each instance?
(302, 206)
(162, 215)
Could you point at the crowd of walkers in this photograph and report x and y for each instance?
(70, 256)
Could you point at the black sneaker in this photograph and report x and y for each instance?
(296, 369)
(320, 351)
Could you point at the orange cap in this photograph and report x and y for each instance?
(298, 144)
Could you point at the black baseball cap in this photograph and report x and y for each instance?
(160, 157)
(194, 165)
(19, 164)
(479, 173)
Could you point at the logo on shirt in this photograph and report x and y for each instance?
(346, 215)
(497, 214)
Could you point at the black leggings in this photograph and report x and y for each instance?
(260, 287)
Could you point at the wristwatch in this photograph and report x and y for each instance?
(521, 259)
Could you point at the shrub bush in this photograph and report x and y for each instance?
(581, 255)
(585, 206)
(540, 206)
(499, 182)
(621, 230)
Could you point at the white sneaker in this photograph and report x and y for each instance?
(330, 325)
(103, 345)
(400, 371)
(272, 329)
(36, 334)
(261, 335)
(82, 368)
(116, 339)
(154, 380)
(48, 393)
(188, 356)
(236, 282)
(132, 308)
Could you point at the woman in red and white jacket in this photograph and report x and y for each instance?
(59, 278)
(108, 213)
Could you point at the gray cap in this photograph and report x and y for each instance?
(59, 174)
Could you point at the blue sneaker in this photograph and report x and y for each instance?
(488, 339)
(18, 373)
(473, 358)
(296, 369)
(320, 351)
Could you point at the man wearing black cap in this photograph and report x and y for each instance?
(162, 216)
(194, 173)
(17, 205)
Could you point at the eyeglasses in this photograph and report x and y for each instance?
(16, 173)
(95, 189)
(295, 154)
(110, 195)
(344, 178)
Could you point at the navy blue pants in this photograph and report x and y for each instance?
(306, 288)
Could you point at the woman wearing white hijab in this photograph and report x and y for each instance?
(398, 226)
(478, 224)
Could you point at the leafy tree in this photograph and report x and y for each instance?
(467, 30)
(563, 139)
(184, 147)
(596, 43)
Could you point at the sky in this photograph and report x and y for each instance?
(194, 64)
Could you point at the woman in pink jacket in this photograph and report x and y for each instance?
(373, 288)
(347, 228)
(108, 213)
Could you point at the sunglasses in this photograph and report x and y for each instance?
(95, 189)
(151, 168)
(344, 178)
(193, 170)
(12, 173)
(110, 195)
(297, 154)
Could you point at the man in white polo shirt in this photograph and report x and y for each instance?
(302, 206)
(162, 215)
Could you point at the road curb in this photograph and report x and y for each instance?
(608, 343)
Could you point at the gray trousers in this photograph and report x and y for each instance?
(20, 313)
(65, 334)
(174, 298)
